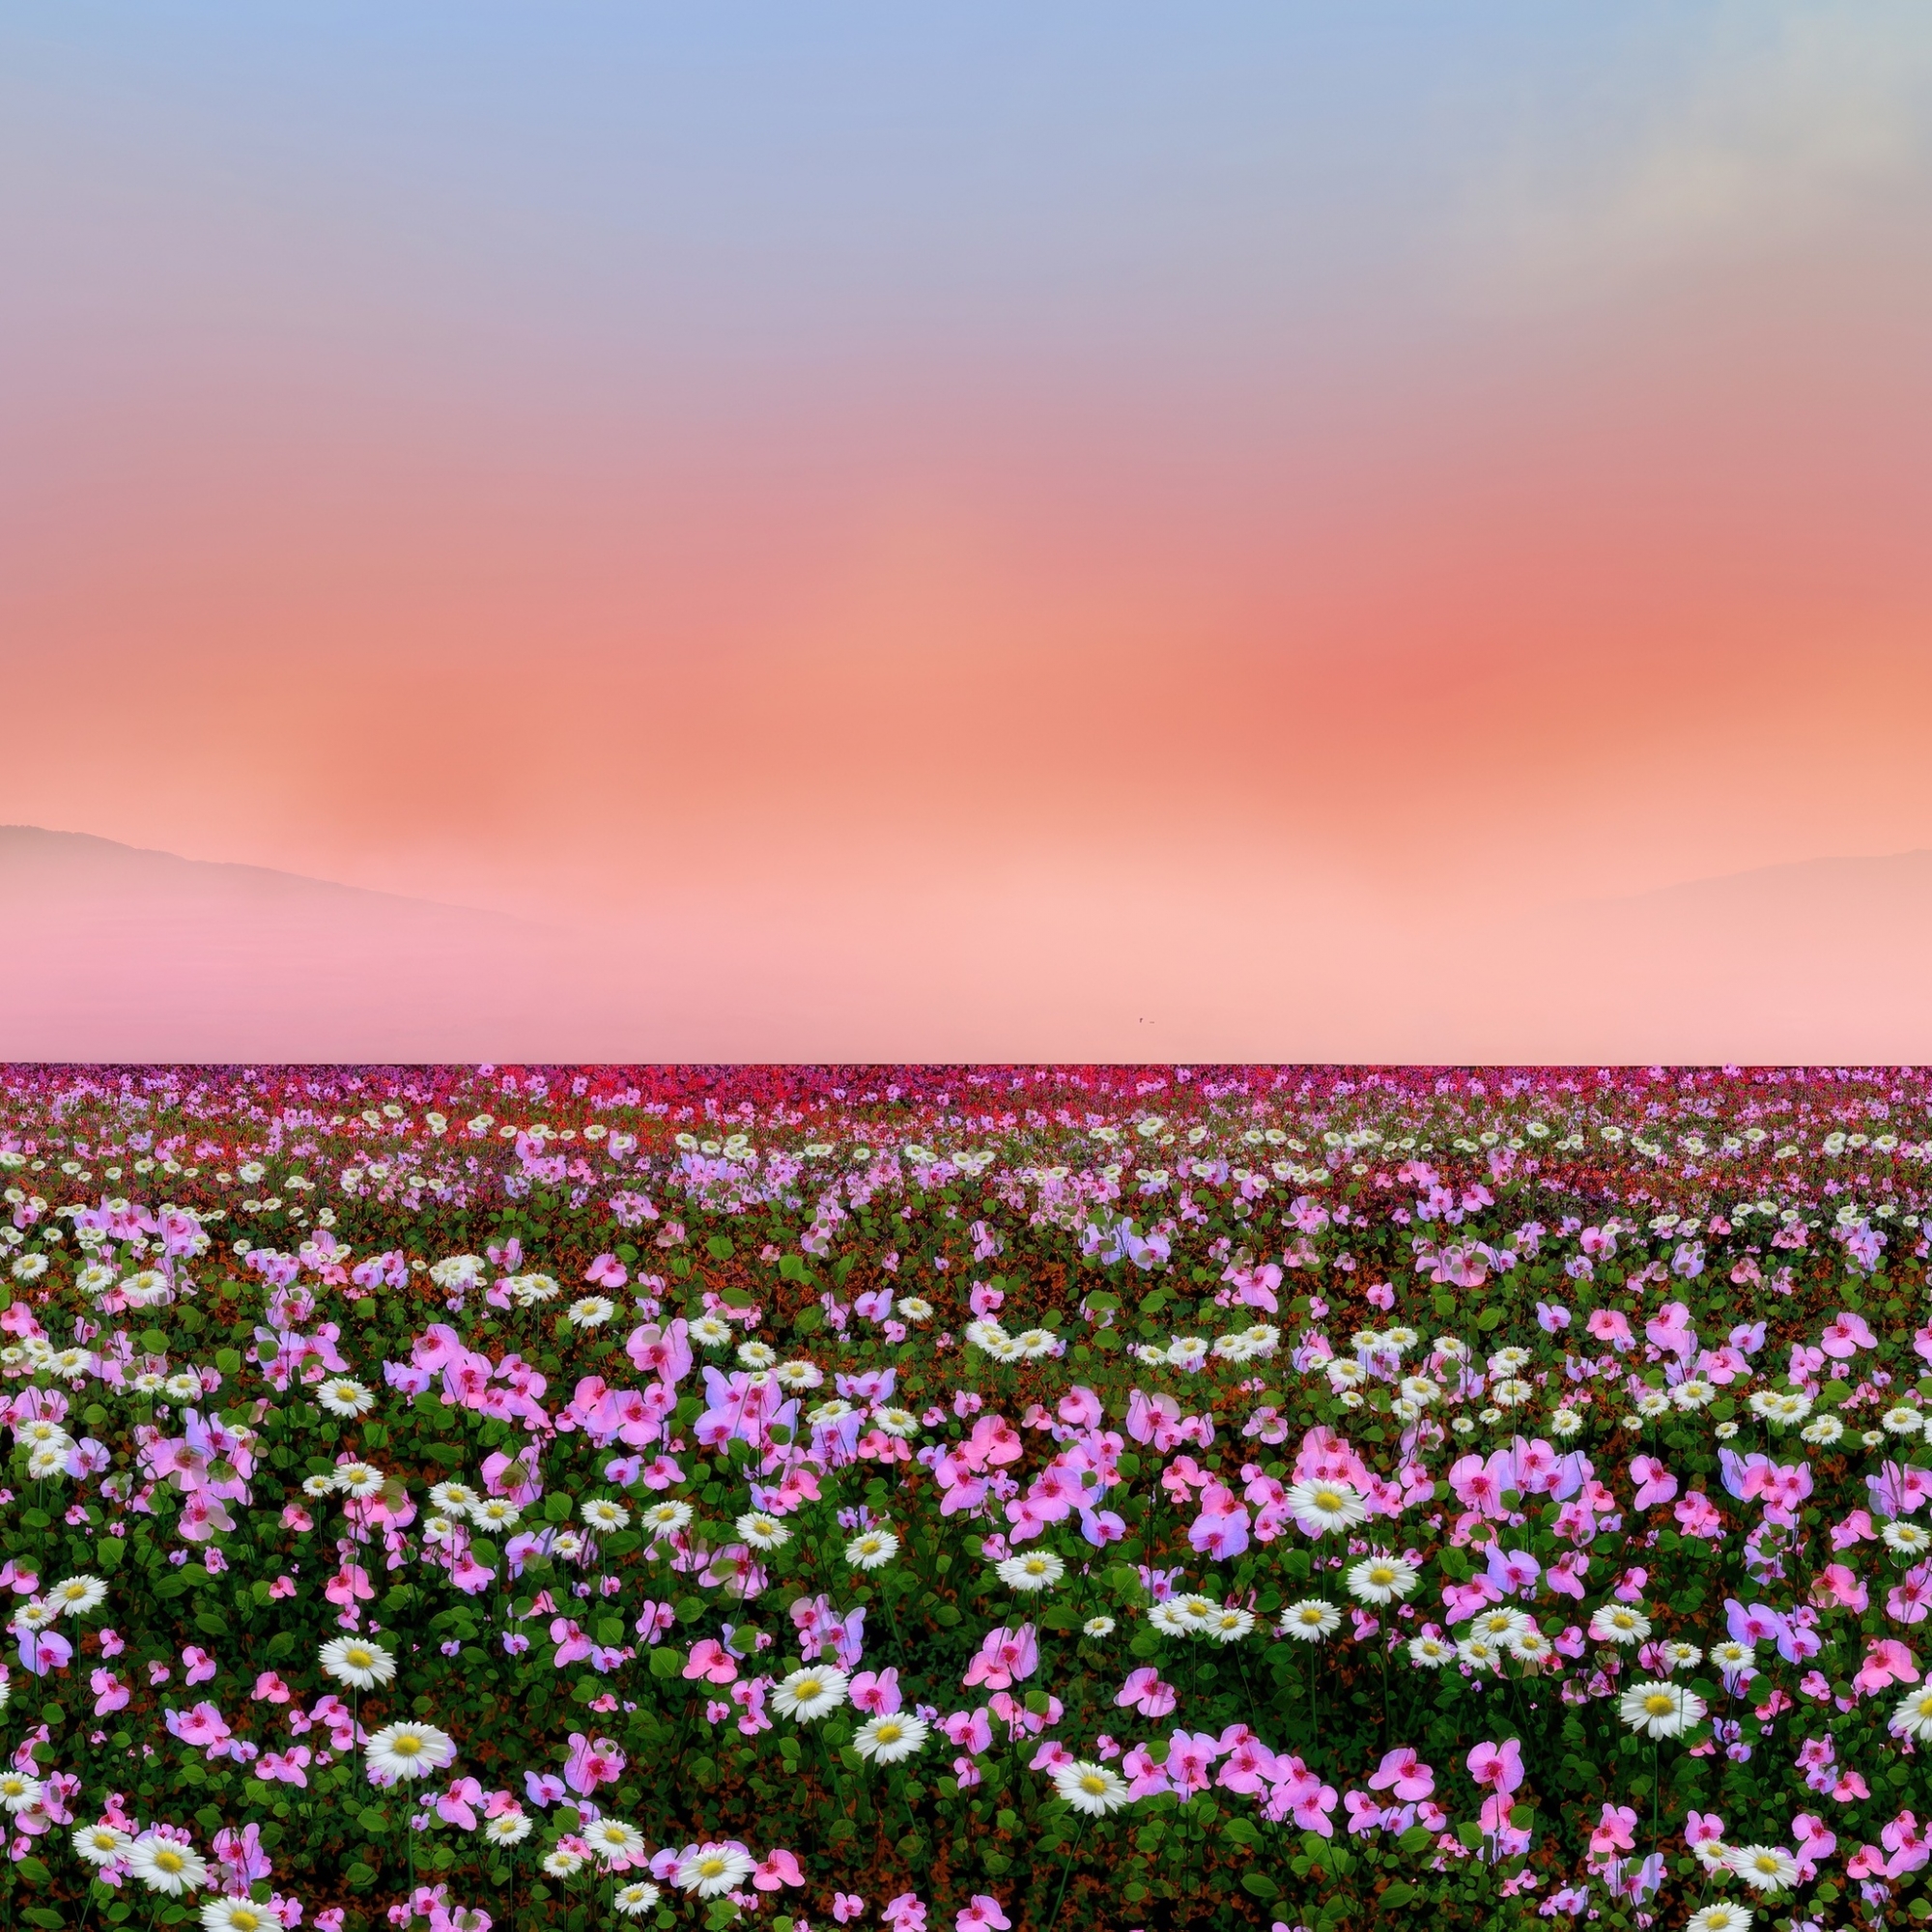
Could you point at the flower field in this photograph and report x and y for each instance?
(965, 1497)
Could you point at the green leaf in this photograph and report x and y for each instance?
(1261, 1885)
(38, 1915)
(719, 1247)
(666, 1663)
(33, 1872)
(448, 1454)
(1398, 1893)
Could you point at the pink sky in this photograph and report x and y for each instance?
(1555, 533)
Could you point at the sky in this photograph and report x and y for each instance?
(1086, 491)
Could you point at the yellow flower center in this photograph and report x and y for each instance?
(406, 1745)
(889, 1734)
(1659, 1706)
(169, 1862)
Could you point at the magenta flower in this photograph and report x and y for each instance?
(1404, 1773)
(1497, 1765)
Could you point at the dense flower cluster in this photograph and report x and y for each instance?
(956, 1498)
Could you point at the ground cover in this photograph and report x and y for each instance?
(959, 1498)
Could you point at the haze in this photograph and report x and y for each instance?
(970, 533)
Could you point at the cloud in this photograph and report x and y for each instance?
(1783, 119)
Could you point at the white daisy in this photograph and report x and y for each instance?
(714, 1869)
(410, 1749)
(1097, 1627)
(1174, 1619)
(590, 1311)
(1036, 1570)
(1913, 1717)
(1229, 1624)
(1430, 1653)
(357, 1661)
(613, 1840)
(1382, 1580)
(762, 1531)
(1765, 1867)
(75, 1596)
(1311, 1620)
(344, 1395)
(667, 1518)
(1619, 1623)
(237, 1914)
(633, 1900)
(102, 1845)
(1723, 1917)
(811, 1692)
(166, 1865)
(871, 1549)
(1327, 1505)
(1660, 1710)
(890, 1738)
(19, 1791)
(1092, 1788)
(455, 1497)
(601, 1513)
(506, 1828)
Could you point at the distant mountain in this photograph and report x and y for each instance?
(116, 953)
(111, 953)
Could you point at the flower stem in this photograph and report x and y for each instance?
(1066, 1872)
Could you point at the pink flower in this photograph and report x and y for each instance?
(709, 1661)
(270, 1690)
(780, 1869)
(42, 1650)
(458, 1804)
(200, 1665)
(847, 1904)
(1145, 1693)
(1404, 1773)
(109, 1692)
(1654, 1483)
(1499, 1766)
(983, 1911)
(1004, 1658)
(877, 1693)
(1845, 1334)
(1614, 1830)
(1886, 1661)
(1705, 1828)
(203, 1726)
(285, 1766)
(905, 1913)
(592, 1763)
